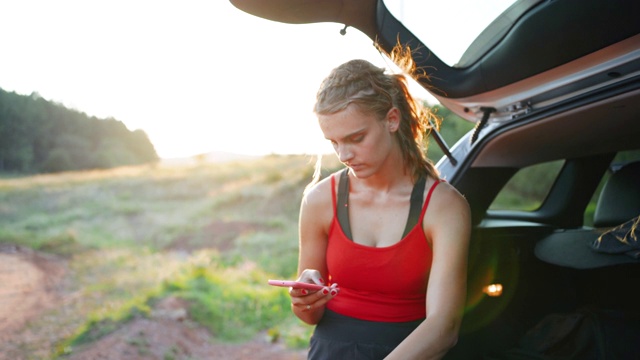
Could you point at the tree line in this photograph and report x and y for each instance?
(40, 136)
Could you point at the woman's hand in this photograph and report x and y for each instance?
(308, 305)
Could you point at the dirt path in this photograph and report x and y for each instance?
(28, 283)
(26, 287)
(20, 281)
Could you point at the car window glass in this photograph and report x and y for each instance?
(528, 188)
(461, 20)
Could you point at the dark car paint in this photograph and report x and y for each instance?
(536, 43)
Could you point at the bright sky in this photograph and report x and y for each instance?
(196, 75)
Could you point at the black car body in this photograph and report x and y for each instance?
(555, 86)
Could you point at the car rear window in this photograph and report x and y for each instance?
(528, 188)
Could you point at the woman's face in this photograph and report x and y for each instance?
(361, 141)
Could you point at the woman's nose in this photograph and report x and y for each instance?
(344, 153)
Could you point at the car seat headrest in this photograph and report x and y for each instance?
(620, 198)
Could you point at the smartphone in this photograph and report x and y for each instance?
(295, 284)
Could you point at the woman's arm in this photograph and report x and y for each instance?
(316, 213)
(448, 224)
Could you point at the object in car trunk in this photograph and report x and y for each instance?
(620, 240)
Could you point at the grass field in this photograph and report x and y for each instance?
(209, 233)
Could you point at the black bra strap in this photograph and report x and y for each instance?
(343, 203)
(417, 195)
(415, 209)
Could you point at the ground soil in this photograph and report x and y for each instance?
(29, 286)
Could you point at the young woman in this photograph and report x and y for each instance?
(386, 236)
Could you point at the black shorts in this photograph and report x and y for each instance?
(341, 337)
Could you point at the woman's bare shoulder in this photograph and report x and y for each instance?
(320, 193)
(447, 200)
(448, 216)
(316, 210)
(448, 192)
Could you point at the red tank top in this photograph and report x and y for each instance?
(385, 284)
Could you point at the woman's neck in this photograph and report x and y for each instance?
(390, 175)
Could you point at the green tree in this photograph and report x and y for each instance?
(37, 135)
(452, 128)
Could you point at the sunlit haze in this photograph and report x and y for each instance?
(196, 76)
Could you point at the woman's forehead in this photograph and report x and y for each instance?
(345, 122)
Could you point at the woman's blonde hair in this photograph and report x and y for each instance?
(375, 92)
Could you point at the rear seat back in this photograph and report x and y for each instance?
(619, 200)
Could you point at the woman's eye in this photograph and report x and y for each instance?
(358, 139)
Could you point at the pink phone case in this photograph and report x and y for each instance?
(295, 284)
